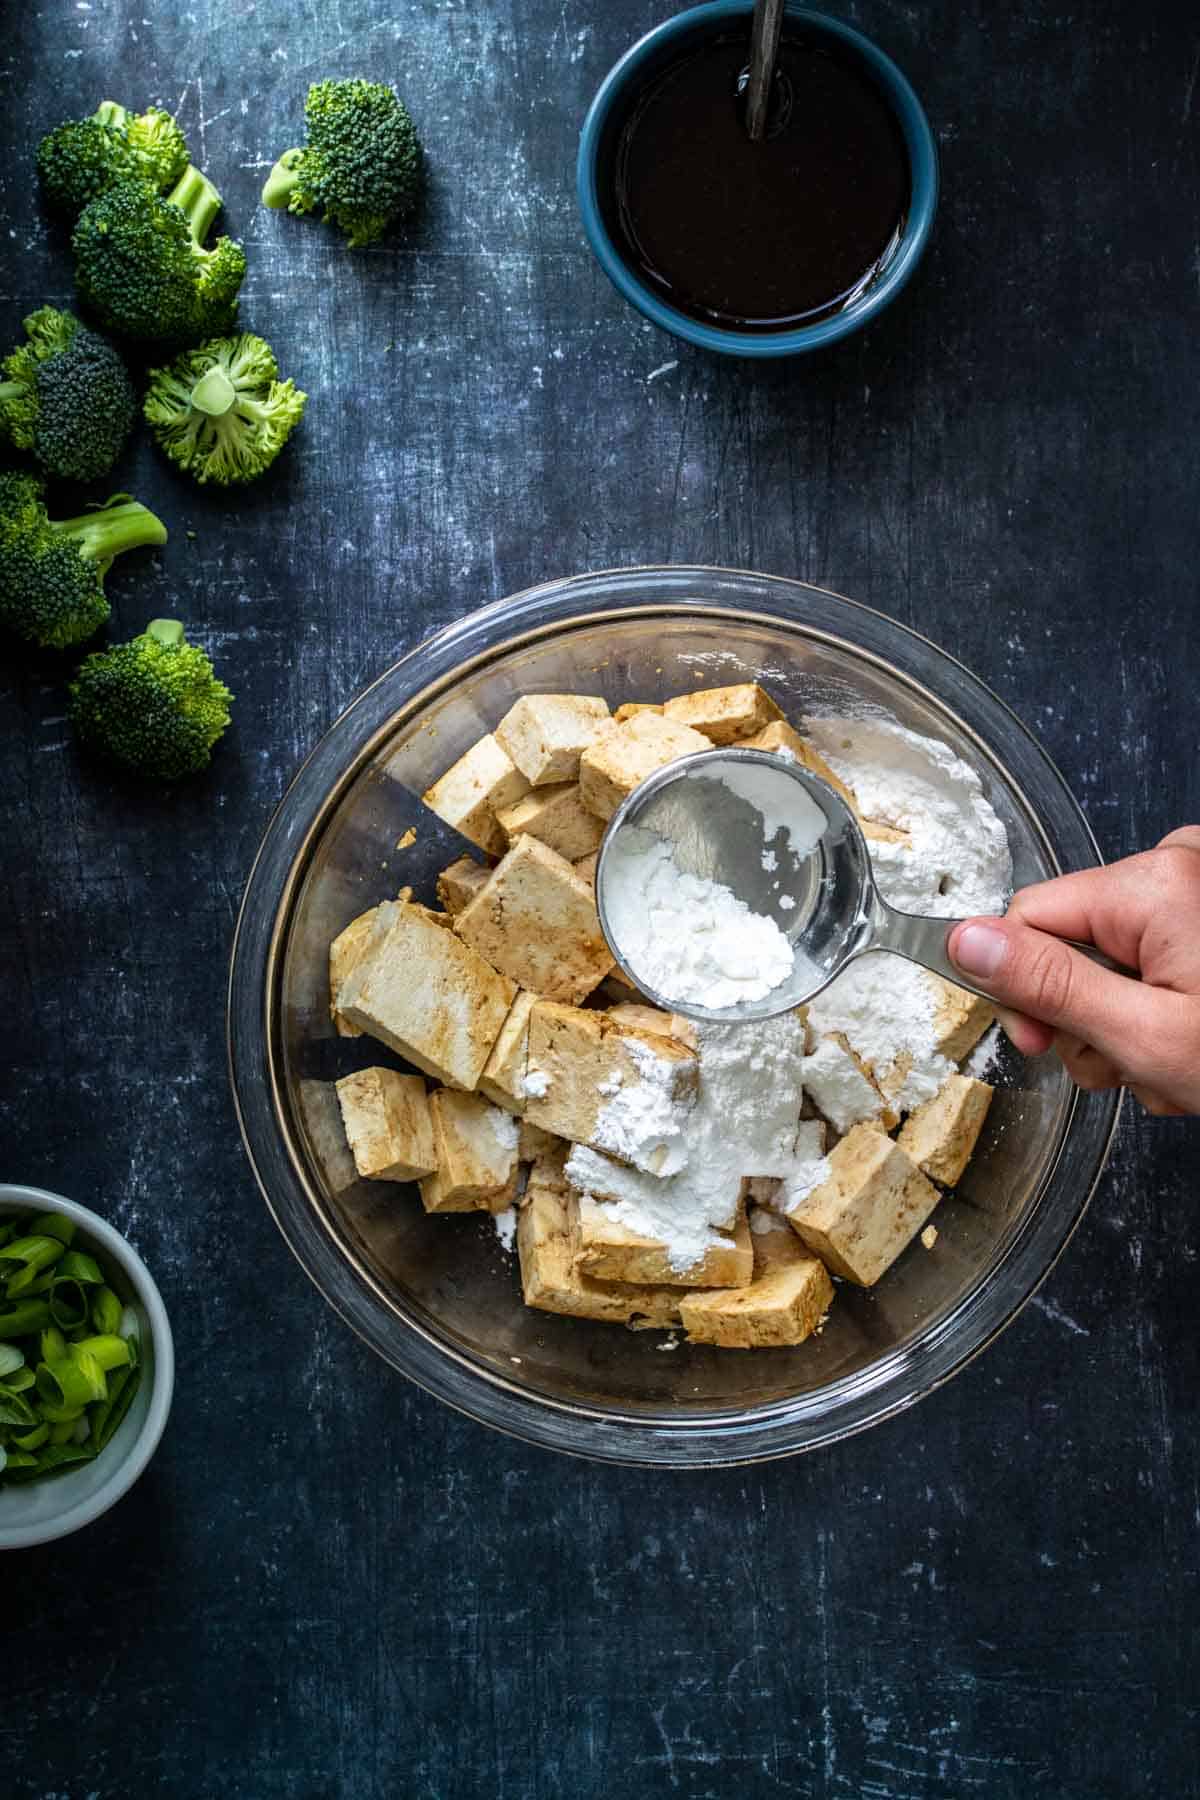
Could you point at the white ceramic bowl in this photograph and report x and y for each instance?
(38, 1511)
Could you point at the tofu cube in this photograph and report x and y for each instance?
(457, 884)
(472, 791)
(419, 989)
(632, 708)
(534, 1143)
(838, 1081)
(476, 1145)
(725, 715)
(503, 1078)
(585, 868)
(873, 1204)
(784, 1303)
(550, 1281)
(960, 1019)
(555, 816)
(545, 734)
(940, 1136)
(654, 1020)
(876, 832)
(609, 1251)
(609, 1086)
(344, 953)
(781, 737)
(535, 920)
(623, 755)
(388, 1125)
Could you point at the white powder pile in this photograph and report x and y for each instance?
(536, 1084)
(744, 1123)
(503, 1126)
(645, 1121)
(686, 937)
(506, 1227)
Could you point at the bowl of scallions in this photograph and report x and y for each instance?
(87, 1366)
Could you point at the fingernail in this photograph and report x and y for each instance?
(979, 950)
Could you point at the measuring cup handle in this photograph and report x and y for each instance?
(923, 940)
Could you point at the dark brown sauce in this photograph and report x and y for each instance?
(758, 236)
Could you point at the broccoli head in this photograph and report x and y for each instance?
(86, 157)
(66, 397)
(361, 163)
(141, 264)
(220, 411)
(52, 570)
(154, 705)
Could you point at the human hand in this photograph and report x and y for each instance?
(1109, 1030)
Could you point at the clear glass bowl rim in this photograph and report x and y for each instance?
(716, 1437)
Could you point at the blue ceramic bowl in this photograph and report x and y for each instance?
(663, 45)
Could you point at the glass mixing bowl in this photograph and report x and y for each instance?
(436, 1296)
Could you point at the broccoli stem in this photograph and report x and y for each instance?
(195, 194)
(214, 393)
(283, 180)
(105, 534)
(168, 632)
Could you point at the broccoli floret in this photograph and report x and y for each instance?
(66, 397)
(141, 264)
(86, 157)
(220, 412)
(52, 570)
(153, 705)
(361, 164)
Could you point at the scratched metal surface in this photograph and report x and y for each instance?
(327, 1585)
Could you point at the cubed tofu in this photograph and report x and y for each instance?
(876, 832)
(725, 715)
(873, 1204)
(555, 816)
(457, 884)
(940, 1136)
(644, 1017)
(388, 1126)
(474, 789)
(503, 1078)
(837, 1079)
(533, 1142)
(631, 708)
(476, 1146)
(344, 953)
(623, 755)
(609, 1251)
(959, 1019)
(781, 737)
(585, 868)
(611, 1086)
(427, 995)
(784, 1303)
(535, 921)
(545, 734)
(551, 1282)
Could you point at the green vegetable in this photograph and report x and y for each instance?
(154, 705)
(66, 397)
(361, 165)
(141, 264)
(52, 570)
(65, 1410)
(220, 411)
(86, 157)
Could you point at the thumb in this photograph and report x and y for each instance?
(1031, 972)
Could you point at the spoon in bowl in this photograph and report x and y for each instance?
(790, 848)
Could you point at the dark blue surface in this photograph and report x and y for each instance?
(327, 1585)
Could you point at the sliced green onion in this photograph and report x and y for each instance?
(106, 1311)
(110, 1351)
(31, 1255)
(33, 1440)
(52, 1344)
(15, 1409)
(69, 1305)
(64, 1431)
(18, 1381)
(21, 1320)
(71, 1381)
(107, 1417)
(10, 1359)
(60, 1415)
(77, 1265)
(55, 1225)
